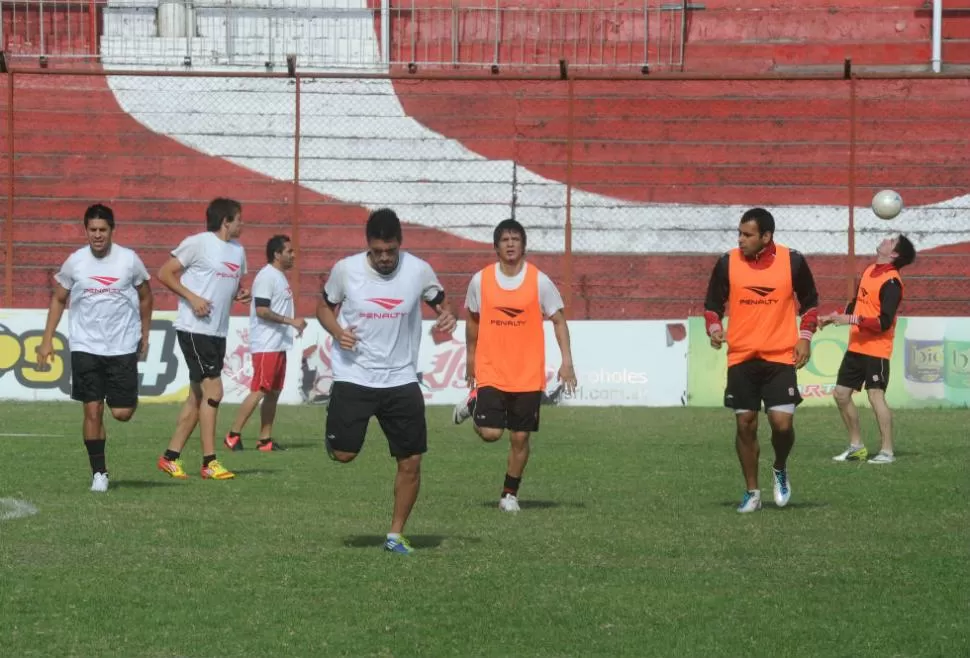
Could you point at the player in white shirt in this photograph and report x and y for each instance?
(205, 271)
(271, 324)
(377, 335)
(507, 303)
(110, 317)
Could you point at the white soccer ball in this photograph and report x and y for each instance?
(887, 204)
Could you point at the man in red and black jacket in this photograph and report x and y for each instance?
(757, 284)
(871, 317)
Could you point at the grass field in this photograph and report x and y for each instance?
(628, 544)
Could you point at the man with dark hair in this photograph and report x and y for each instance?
(110, 317)
(505, 345)
(205, 271)
(871, 317)
(371, 305)
(757, 284)
(270, 319)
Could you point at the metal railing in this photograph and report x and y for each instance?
(329, 34)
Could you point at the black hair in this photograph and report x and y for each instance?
(384, 225)
(99, 211)
(764, 219)
(221, 210)
(274, 246)
(508, 226)
(905, 252)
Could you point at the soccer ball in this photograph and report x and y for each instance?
(887, 204)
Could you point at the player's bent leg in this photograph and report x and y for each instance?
(884, 417)
(781, 418)
(489, 434)
(122, 415)
(233, 440)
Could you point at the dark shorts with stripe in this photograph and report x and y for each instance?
(399, 411)
(109, 379)
(204, 355)
(858, 370)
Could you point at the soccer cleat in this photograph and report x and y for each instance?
(464, 409)
(269, 446)
(399, 545)
(216, 471)
(852, 454)
(233, 443)
(882, 458)
(99, 482)
(750, 503)
(173, 467)
(782, 487)
(509, 503)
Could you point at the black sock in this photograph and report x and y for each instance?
(171, 455)
(264, 442)
(96, 454)
(207, 459)
(234, 435)
(511, 485)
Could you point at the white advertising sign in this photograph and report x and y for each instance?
(618, 363)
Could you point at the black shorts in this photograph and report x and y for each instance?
(111, 379)
(204, 355)
(750, 383)
(518, 412)
(399, 410)
(858, 369)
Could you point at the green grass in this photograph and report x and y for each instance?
(628, 544)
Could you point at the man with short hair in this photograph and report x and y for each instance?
(270, 319)
(871, 317)
(371, 306)
(109, 320)
(205, 271)
(505, 347)
(757, 284)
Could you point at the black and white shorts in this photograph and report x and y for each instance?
(518, 412)
(751, 383)
(204, 355)
(111, 379)
(399, 411)
(862, 369)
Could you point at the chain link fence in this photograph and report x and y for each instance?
(629, 189)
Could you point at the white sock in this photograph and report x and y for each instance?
(394, 535)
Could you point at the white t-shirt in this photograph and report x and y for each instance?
(213, 269)
(103, 318)
(549, 298)
(265, 335)
(385, 312)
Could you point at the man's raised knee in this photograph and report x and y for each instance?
(124, 414)
(341, 456)
(490, 434)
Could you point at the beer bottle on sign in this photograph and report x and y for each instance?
(923, 358)
(956, 361)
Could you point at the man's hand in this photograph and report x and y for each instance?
(299, 324)
(803, 352)
(717, 338)
(143, 347)
(348, 339)
(446, 321)
(45, 353)
(837, 319)
(200, 307)
(567, 375)
(243, 296)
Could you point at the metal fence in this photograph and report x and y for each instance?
(628, 188)
(344, 34)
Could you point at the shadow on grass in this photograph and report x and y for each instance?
(138, 484)
(538, 504)
(769, 505)
(416, 541)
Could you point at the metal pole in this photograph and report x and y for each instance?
(43, 40)
(937, 35)
(295, 237)
(568, 233)
(852, 185)
(11, 172)
(386, 32)
(92, 27)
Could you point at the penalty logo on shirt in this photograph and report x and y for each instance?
(105, 283)
(386, 303)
